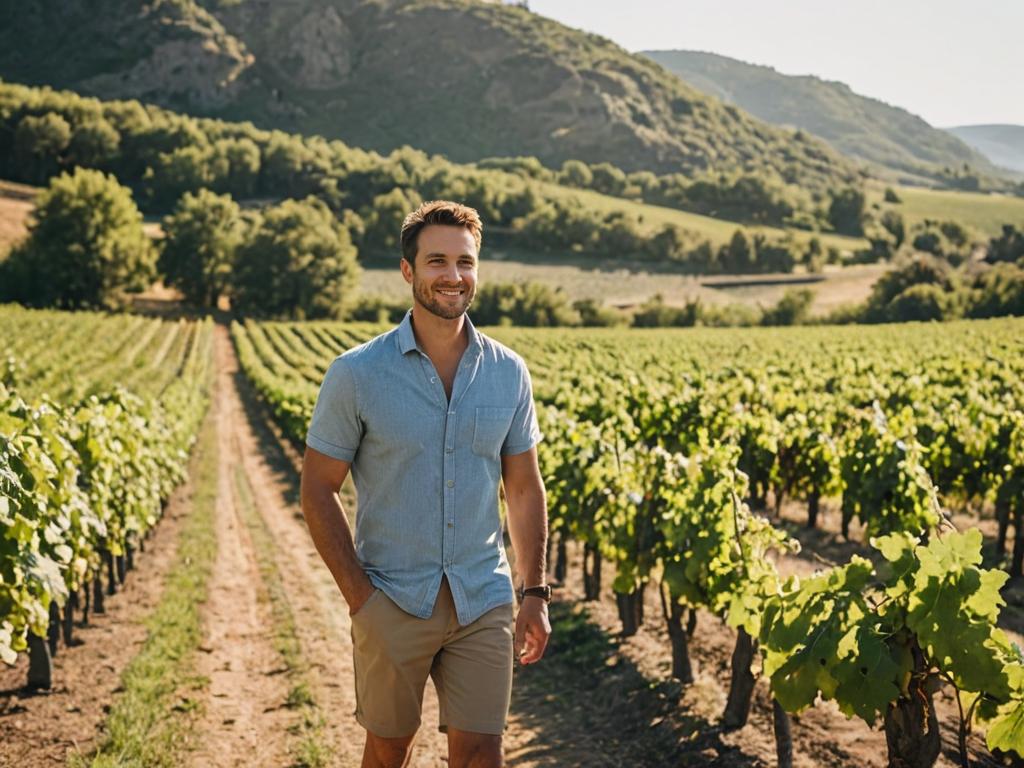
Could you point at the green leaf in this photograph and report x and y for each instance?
(1006, 731)
(869, 676)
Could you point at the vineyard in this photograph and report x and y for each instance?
(669, 455)
(97, 416)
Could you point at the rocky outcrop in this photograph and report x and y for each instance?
(456, 77)
(191, 70)
(318, 50)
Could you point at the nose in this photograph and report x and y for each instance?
(451, 272)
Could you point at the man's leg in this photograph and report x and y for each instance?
(380, 752)
(473, 677)
(473, 750)
(392, 655)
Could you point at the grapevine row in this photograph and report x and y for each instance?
(82, 482)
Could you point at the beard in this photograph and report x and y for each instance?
(440, 306)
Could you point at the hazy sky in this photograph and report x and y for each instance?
(953, 62)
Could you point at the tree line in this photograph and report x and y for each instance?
(161, 155)
(233, 191)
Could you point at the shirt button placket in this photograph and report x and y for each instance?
(449, 494)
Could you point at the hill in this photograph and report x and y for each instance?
(856, 125)
(462, 78)
(1002, 144)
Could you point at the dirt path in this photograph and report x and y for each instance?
(320, 612)
(244, 706)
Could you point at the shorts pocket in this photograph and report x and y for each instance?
(490, 430)
(362, 609)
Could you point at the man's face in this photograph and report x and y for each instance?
(444, 281)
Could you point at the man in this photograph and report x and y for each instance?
(430, 417)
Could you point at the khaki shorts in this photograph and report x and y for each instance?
(394, 652)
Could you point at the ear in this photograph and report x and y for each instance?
(406, 270)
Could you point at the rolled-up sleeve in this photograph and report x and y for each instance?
(336, 428)
(524, 432)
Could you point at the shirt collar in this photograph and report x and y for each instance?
(407, 339)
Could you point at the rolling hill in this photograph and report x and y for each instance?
(462, 78)
(856, 125)
(1002, 144)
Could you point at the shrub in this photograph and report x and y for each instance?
(924, 301)
(891, 196)
(997, 292)
(792, 308)
(1009, 246)
(526, 304)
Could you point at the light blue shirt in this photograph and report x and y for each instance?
(427, 471)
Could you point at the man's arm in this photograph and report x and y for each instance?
(528, 529)
(322, 477)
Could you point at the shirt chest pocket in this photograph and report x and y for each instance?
(490, 430)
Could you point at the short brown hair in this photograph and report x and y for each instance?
(444, 212)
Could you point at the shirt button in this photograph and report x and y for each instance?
(451, 483)
(450, 524)
(433, 379)
(448, 450)
(451, 413)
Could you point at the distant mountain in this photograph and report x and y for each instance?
(856, 125)
(1002, 144)
(464, 78)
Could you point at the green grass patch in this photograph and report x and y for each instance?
(149, 721)
(986, 213)
(719, 231)
(311, 747)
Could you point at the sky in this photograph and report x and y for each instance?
(953, 62)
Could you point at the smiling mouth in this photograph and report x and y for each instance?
(444, 292)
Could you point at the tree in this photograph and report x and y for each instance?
(846, 211)
(38, 145)
(779, 255)
(814, 257)
(184, 170)
(1009, 246)
(384, 219)
(607, 179)
(923, 269)
(738, 256)
(286, 165)
(202, 236)
(892, 222)
(243, 160)
(94, 144)
(86, 247)
(947, 240)
(299, 262)
(575, 174)
(998, 291)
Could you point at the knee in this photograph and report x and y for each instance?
(475, 751)
(388, 753)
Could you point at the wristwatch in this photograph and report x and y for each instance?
(543, 592)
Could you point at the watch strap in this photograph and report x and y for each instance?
(543, 591)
